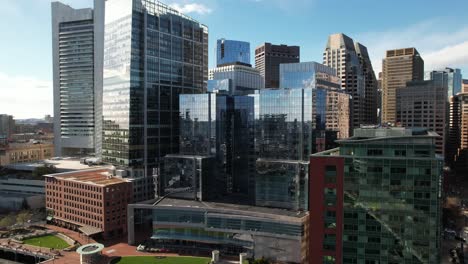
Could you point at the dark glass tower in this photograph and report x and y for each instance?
(152, 55)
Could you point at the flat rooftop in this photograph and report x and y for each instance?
(99, 177)
(62, 165)
(229, 208)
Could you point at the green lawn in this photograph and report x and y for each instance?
(165, 260)
(48, 241)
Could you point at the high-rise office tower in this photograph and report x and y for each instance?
(7, 126)
(377, 199)
(77, 42)
(232, 52)
(293, 122)
(457, 142)
(398, 67)
(464, 86)
(351, 61)
(153, 54)
(452, 78)
(268, 57)
(243, 79)
(216, 128)
(379, 98)
(424, 104)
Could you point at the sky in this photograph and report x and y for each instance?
(438, 29)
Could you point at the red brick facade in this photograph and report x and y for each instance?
(89, 199)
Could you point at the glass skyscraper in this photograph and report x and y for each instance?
(295, 121)
(452, 78)
(217, 126)
(232, 52)
(153, 54)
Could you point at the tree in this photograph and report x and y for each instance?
(46, 169)
(7, 221)
(23, 217)
(261, 261)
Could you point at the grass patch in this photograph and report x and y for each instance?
(48, 241)
(162, 260)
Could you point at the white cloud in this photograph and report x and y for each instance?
(25, 97)
(440, 44)
(192, 8)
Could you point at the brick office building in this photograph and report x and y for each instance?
(91, 201)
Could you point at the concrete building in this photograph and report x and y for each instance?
(398, 67)
(18, 194)
(144, 74)
(457, 144)
(465, 86)
(7, 126)
(232, 52)
(25, 153)
(77, 51)
(424, 104)
(377, 199)
(353, 66)
(268, 58)
(92, 201)
(200, 227)
(243, 79)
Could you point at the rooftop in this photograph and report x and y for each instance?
(98, 176)
(61, 164)
(229, 208)
(378, 132)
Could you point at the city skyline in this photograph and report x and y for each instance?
(440, 43)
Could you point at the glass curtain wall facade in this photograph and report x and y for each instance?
(295, 121)
(451, 78)
(152, 55)
(382, 194)
(232, 52)
(392, 206)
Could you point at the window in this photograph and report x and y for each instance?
(400, 153)
(330, 174)
(374, 152)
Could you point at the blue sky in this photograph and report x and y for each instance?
(437, 29)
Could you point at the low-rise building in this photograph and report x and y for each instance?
(196, 227)
(91, 201)
(25, 152)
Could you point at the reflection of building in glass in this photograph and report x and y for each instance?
(424, 104)
(232, 52)
(189, 177)
(219, 126)
(303, 117)
(152, 55)
(278, 235)
(377, 199)
(451, 78)
(353, 66)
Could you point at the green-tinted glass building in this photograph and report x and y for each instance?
(387, 207)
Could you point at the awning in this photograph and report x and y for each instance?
(90, 230)
(49, 218)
